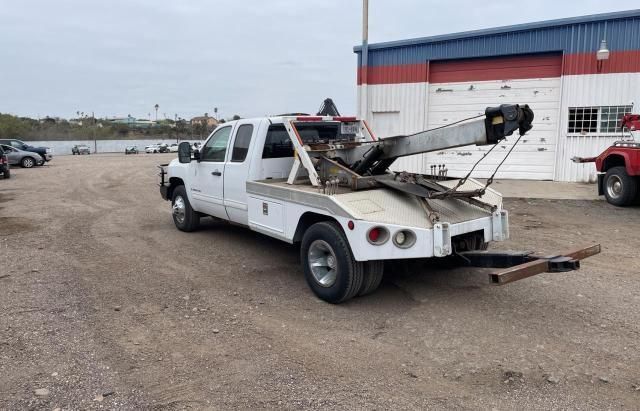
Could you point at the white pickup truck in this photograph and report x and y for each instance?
(324, 182)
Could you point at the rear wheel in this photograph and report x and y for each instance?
(28, 162)
(620, 189)
(372, 277)
(330, 269)
(184, 217)
(7, 173)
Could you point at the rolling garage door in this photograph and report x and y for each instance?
(464, 88)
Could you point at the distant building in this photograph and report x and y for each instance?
(209, 122)
(133, 122)
(579, 75)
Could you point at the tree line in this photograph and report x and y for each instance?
(90, 128)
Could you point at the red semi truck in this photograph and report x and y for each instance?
(619, 166)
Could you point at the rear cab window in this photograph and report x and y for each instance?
(277, 144)
(241, 143)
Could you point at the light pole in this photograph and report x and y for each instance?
(156, 107)
(364, 103)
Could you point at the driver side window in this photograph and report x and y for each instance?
(216, 147)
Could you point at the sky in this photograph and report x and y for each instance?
(245, 57)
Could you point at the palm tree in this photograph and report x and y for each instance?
(156, 107)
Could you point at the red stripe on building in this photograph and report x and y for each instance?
(618, 62)
(496, 68)
(504, 68)
(405, 73)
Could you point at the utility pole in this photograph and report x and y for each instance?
(364, 66)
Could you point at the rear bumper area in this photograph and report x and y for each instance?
(434, 242)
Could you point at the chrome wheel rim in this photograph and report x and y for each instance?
(614, 186)
(179, 209)
(28, 163)
(323, 263)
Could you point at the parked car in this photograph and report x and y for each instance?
(153, 148)
(45, 152)
(26, 159)
(4, 164)
(80, 149)
(131, 150)
(173, 148)
(163, 148)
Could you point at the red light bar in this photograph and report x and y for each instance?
(342, 119)
(308, 118)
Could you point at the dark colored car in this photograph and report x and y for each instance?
(131, 150)
(80, 149)
(45, 152)
(4, 164)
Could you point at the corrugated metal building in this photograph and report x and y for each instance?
(417, 84)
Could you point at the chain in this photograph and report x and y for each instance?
(490, 180)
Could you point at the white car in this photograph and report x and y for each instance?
(173, 148)
(153, 148)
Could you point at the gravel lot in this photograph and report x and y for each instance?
(104, 304)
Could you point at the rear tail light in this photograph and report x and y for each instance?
(377, 235)
(404, 238)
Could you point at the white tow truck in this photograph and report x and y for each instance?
(324, 182)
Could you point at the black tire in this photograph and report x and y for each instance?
(372, 276)
(28, 162)
(620, 189)
(191, 220)
(7, 174)
(347, 277)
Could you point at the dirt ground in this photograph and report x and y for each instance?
(104, 304)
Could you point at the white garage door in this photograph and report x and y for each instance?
(464, 88)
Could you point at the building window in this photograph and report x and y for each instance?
(593, 120)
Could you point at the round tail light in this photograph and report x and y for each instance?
(377, 235)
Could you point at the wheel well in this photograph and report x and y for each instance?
(173, 183)
(307, 220)
(614, 160)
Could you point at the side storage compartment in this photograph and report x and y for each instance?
(266, 216)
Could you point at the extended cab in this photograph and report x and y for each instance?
(323, 182)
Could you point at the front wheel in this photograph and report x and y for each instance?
(620, 189)
(184, 217)
(28, 162)
(330, 269)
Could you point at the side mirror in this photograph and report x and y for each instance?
(184, 152)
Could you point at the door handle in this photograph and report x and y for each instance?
(216, 173)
